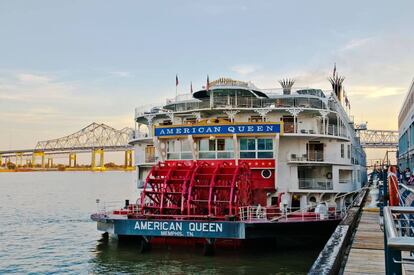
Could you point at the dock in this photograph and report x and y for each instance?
(367, 250)
(357, 244)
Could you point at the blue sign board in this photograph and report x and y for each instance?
(219, 129)
(172, 228)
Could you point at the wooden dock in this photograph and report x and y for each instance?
(367, 251)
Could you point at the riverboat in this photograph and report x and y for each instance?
(235, 162)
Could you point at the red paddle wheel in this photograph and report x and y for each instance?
(199, 189)
(165, 189)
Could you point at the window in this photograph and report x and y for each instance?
(247, 148)
(288, 124)
(314, 151)
(179, 149)
(207, 148)
(345, 176)
(265, 148)
(149, 154)
(166, 122)
(225, 148)
(216, 148)
(186, 150)
(255, 119)
(256, 148)
(190, 120)
(173, 149)
(349, 151)
(342, 150)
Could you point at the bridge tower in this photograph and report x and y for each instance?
(72, 159)
(101, 166)
(128, 159)
(38, 154)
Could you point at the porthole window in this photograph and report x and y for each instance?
(266, 173)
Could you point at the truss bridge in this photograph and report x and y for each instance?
(95, 138)
(379, 139)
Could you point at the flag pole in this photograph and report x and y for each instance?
(176, 86)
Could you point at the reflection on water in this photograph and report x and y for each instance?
(45, 228)
(110, 255)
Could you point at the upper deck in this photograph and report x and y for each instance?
(304, 111)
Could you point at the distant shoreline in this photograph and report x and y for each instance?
(79, 169)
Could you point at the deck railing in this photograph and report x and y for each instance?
(312, 156)
(306, 102)
(315, 184)
(138, 134)
(109, 207)
(266, 214)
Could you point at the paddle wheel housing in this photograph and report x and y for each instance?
(201, 189)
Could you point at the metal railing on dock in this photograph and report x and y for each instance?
(398, 237)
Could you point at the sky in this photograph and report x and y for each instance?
(66, 64)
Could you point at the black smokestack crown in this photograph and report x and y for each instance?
(336, 82)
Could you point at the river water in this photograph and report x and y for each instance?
(45, 228)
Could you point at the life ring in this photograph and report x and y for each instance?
(329, 175)
(266, 173)
(393, 186)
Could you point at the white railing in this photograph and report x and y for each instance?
(265, 214)
(312, 212)
(253, 213)
(137, 134)
(145, 109)
(108, 207)
(104, 207)
(315, 183)
(179, 98)
(312, 156)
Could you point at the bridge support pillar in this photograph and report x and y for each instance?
(72, 159)
(38, 154)
(101, 166)
(19, 159)
(128, 159)
(49, 162)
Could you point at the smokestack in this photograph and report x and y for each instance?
(287, 84)
(336, 82)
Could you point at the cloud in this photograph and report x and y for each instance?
(356, 43)
(376, 91)
(34, 87)
(33, 78)
(245, 69)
